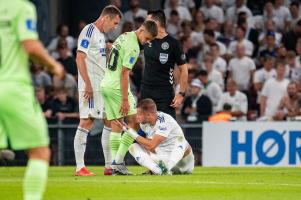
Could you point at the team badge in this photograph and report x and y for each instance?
(163, 58)
(84, 43)
(165, 46)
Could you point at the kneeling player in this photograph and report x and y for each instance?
(165, 149)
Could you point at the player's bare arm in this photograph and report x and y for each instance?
(82, 68)
(38, 54)
(124, 82)
(149, 144)
(178, 99)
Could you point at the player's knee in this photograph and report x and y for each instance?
(133, 148)
(107, 123)
(40, 153)
(133, 123)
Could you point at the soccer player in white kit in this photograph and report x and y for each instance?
(165, 149)
(91, 64)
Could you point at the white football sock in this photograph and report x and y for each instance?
(144, 158)
(105, 142)
(80, 142)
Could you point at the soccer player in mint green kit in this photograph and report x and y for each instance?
(21, 119)
(118, 99)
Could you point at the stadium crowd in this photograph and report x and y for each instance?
(243, 64)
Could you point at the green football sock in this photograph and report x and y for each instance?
(35, 179)
(125, 143)
(114, 143)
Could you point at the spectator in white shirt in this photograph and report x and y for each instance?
(293, 70)
(134, 12)
(219, 63)
(62, 32)
(183, 11)
(240, 38)
(269, 26)
(273, 91)
(198, 21)
(210, 10)
(283, 14)
(213, 74)
(211, 89)
(239, 6)
(263, 74)
(236, 99)
(295, 13)
(173, 25)
(241, 69)
(209, 39)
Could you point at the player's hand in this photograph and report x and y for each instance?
(109, 46)
(61, 116)
(177, 101)
(58, 72)
(125, 107)
(88, 93)
(120, 124)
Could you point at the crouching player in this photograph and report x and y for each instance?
(165, 149)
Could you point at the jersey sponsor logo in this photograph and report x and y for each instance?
(162, 128)
(163, 58)
(132, 60)
(84, 43)
(165, 46)
(30, 25)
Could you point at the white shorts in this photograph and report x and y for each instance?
(184, 166)
(92, 108)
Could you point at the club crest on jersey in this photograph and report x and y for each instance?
(163, 58)
(165, 46)
(84, 43)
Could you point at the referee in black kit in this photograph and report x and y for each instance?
(161, 56)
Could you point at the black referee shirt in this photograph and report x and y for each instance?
(161, 55)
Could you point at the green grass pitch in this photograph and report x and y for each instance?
(205, 183)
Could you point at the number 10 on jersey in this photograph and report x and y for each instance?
(113, 59)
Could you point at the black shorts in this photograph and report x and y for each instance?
(162, 96)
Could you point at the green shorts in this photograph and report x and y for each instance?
(112, 101)
(21, 119)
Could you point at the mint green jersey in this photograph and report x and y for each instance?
(17, 23)
(124, 53)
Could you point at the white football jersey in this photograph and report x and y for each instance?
(92, 42)
(165, 126)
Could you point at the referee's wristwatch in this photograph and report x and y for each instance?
(182, 93)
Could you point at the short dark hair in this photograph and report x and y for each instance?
(202, 73)
(147, 105)
(174, 12)
(158, 15)
(209, 32)
(151, 27)
(227, 107)
(111, 11)
(295, 3)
